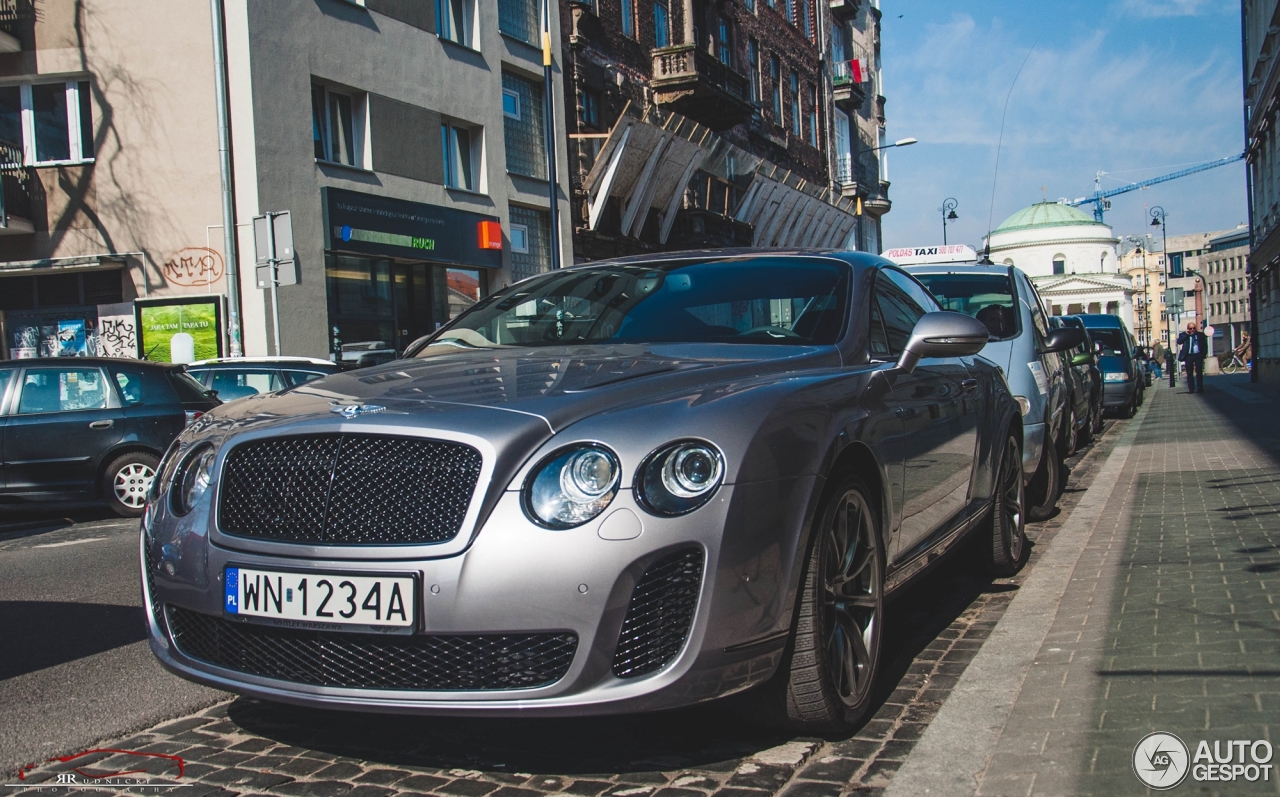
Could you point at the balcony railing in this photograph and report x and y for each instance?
(694, 84)
(848, 92)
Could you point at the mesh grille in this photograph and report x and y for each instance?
(375, 661)
(148, 568)
(659, 616)
(348, 489)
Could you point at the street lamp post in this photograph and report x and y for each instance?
(902, 142)
(1158, 219)
(948, 209)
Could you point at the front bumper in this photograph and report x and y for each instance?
(1118, 394)
(517, 578)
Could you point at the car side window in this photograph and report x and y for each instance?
(918, 293)
(877, 342)
(142, 387)
(62, 390)
(200, 375)
(237, 383)
(898, 310)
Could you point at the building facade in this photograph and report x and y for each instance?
(1143, 263)
(1072, 259)
(1261, 35)
(1226, 302)
(423, 183)
(740, 123)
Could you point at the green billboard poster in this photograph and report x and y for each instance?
(180, 330)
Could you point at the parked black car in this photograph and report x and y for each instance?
(248, 376)
(85, 428)
(1088, 378)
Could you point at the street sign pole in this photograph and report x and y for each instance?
(273, 240)
(275, 278)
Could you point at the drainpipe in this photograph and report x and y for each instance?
(228, 199)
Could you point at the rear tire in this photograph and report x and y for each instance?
(830, 666)
(1045, 486)
(1068, 436)
(1007, 531)
(1098, 413)
(127, 480)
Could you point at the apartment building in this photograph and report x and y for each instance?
(696, 124)
(1226, 283)
(1261, 33)
(407, 141)
(1143, 263)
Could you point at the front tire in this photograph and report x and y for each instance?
(127, 480)
(1007, 525)
(831, 664)
(1046, 484)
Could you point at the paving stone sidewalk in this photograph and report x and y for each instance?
(932, 633)
(1171, 620)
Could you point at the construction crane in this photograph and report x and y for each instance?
(1101, 200)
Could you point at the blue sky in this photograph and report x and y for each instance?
(1136, 88)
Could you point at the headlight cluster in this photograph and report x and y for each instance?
(1115, 376)
(574, 485)
(192, 479)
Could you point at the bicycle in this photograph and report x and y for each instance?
(1236, 365)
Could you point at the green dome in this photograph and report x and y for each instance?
(1045, 214)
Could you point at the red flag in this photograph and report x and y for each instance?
(855, 68)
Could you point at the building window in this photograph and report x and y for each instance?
(520, 20)
(462, 156)
(520, 239)
(806, 24)
(1059, 264)
(753, 67)
(775, 74)
(628, 19)
(49, 122)
(813, 115)
(337, 128)
(536, 227)
(751, 5)
(455, 21)
(523, 129)
(795, 104)
(661, 24)
(790, 10)
(726, 43)
(591, 109)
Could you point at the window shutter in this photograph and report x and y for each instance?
(405, 139)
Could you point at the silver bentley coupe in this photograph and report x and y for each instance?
(624, 486)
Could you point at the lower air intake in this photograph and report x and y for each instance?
(660, 614)
(375, 661)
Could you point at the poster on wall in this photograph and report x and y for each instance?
(71, 339)
(117, 330)
(181, 330)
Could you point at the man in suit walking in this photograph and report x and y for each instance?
(1193, 347)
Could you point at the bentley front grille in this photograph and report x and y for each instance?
(348, 489)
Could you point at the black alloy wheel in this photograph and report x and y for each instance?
(1046, 484)
(1007, 523)
(835, 651)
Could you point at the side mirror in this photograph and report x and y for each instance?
(943, 334)
(1065, 339)
(1083, 358)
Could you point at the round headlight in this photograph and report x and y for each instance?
(164, 472)
(573, 486)
(193, 478)
(680, 477)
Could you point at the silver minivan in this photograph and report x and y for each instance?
(1022, 343)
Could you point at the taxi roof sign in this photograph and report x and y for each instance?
(920, 255)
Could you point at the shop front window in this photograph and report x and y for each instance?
(464, 290)
(378, 306)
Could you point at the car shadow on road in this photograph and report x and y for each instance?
(41, 634)
(711, 737)
(28, 520)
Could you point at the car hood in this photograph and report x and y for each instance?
(556, 385)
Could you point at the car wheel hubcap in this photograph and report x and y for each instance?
(1011, 496)
(851, 594)
(132, 484)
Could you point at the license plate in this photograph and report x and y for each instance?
(320, 597)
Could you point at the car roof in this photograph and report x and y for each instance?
(50, 362)
(231, 361)
(957, 268)
(1100, 320)
(847, 255)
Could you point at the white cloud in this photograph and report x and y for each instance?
(1174, 8)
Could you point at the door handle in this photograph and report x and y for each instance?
(102, 424)
(969, 384)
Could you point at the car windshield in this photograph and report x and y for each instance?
(771, 300)
(987, 297)
(1108, 341)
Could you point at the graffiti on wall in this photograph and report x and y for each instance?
(117, 336)
(195, 265)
